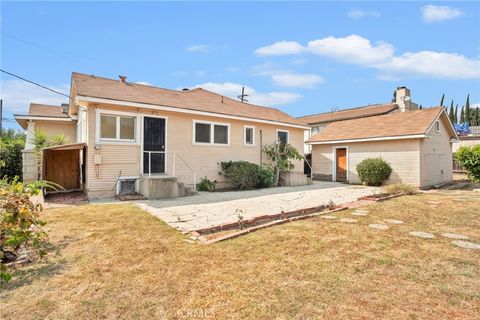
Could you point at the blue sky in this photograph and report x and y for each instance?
(303, 58)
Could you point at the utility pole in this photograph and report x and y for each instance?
(1, 117)
(243, 95)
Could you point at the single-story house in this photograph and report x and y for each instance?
(156, 141)
(417, 144)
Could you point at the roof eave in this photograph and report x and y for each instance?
(184, 110)
(371, 139)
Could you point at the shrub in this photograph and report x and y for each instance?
(241, 174)
(206, 185)
(266, 177)
(469, 158)
(20, 223)
(282, 156)
(373, 171)
(11, 145)
(399, 188)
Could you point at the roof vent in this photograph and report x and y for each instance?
(123, 79)
(185, 89)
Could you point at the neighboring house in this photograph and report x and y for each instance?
(158, 142)
(472, 139)
(401, 102)
(417, 144)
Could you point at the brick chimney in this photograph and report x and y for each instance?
(123, 79)
(404, 100)
(65, 107)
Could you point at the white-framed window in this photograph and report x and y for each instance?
(437, 126)
(212, 133)
(117, 127)
(249, 136)
(282, 136)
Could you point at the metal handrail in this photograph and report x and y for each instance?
(175, 154)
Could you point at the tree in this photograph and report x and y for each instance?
(443, 98)
(469, 158)
(462, 115)
(450, 113)
(11, 145)
(282, 155)
(467, 110)
(41, 140)
(456, 114)
(475, 117)
(478, 116)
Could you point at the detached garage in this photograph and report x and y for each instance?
(417, 144)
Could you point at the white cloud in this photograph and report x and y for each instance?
(357, 14)
(145, 83)
(431, 13)
(296, 80)
(434, 64)
(300, 61)
(352, 49)
(202, 48)
(280, 48)
(17, 95)
(232, 90)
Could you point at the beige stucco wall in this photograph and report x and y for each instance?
(205, 160)
(465, 143)
(436, 157)
(403, 156)
(52, 128)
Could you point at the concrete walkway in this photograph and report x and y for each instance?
(214, 208)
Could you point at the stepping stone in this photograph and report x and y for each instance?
(360, 213)
(328, 217)
(466, 244)
(455, 236)
(393, 221)
(348, 220)
(421, 234)
(378, 226)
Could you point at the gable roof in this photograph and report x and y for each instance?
(45, 110)
(360, 112)
(90, 86)
(398, 125)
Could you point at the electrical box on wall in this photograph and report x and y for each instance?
(97, 159)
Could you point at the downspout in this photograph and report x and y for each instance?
(261, 147)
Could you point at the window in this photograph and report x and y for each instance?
(211, 133)
(437, 126)
(249, 136)
(113, 127)
(282, 136)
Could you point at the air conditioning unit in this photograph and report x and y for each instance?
(127, 185)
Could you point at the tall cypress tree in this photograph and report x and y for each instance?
(443, 98)
(456, 114)
(468, 117)
(450, 113)
(474, 121)
(462, 115)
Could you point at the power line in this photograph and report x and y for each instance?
(37, 84)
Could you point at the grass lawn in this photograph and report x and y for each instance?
(116, 261)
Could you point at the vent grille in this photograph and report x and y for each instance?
(127, 186)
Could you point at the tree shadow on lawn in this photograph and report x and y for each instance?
(49, 266)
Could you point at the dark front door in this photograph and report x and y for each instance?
(153, 145)
(341, 163)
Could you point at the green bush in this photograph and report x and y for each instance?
(206, 185)
(373, 171)
(20, 223)
(241, 174)
(469, 158)
(266, 177)
(11, 145)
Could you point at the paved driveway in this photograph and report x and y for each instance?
(214, 208)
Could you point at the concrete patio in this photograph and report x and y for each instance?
(214, 208)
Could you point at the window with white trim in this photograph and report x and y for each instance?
(211, 133)
(117, 127)
(249, 136)
(282, 136)
(437, 126)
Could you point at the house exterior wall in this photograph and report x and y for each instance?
(52, 128)
(436, 157)
(468, 141)
(125, 159)
(403, 156)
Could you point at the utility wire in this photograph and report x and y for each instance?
(37, 84)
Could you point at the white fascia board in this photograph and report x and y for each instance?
(416, 136)
(42, 118)
(180, 110)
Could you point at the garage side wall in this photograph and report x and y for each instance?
(403, 156)
(436, 157)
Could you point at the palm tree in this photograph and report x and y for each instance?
(41, 140)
